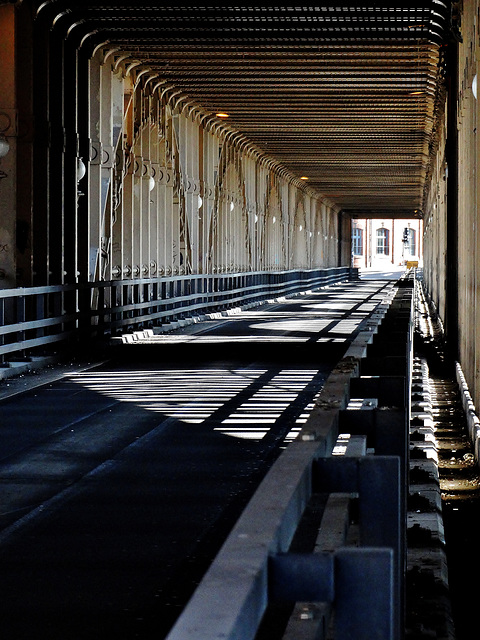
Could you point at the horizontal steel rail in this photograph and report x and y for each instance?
(31, 318)
(36, 317)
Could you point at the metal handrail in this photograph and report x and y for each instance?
(34, 317)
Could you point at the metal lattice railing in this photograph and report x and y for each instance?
(37, 317)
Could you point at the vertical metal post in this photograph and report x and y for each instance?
(451, 155)
(56, 214)
(382, 522)
(377, 480)
(41, 155)
(83, 128)
(364, 594)
(19, 318)
(39, 313)
(70, 175)
(2, 323)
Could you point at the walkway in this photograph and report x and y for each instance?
(393, 273)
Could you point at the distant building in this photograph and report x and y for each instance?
(381, 243)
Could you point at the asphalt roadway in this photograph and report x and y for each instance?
(121, 479)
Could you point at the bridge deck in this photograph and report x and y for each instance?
(121, 480)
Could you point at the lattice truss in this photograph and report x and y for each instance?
(172, 192)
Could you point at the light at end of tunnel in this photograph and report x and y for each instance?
(222, 114)
(304, 178)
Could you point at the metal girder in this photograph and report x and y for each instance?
(348, 95)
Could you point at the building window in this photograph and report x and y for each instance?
(357, 242)
(410, 244)
(382, 242)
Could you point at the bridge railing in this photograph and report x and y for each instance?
(37, 317)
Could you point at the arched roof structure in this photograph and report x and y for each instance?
(348, 95)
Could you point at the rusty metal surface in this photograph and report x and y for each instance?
(348, 95)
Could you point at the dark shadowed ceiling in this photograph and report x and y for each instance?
(348, 95)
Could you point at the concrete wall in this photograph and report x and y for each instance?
(468, 199)
(452, 221)
(435, 231)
